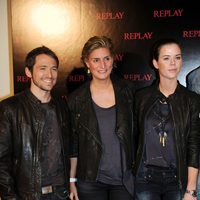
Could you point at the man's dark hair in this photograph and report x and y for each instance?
(30, 58)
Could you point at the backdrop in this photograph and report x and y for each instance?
(65, 25)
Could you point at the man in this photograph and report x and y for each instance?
(34, 129)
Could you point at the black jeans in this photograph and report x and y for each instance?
(155, 183)
(101, 191)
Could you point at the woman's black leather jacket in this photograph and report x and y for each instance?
(86, 141)
(185, 110)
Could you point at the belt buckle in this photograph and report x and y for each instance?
(47, 189)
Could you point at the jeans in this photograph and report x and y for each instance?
(155, 183)
(101, 191)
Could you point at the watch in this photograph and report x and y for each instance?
(192, 192)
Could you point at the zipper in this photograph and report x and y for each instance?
(93, 135)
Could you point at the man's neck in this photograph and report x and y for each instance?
(43, 96)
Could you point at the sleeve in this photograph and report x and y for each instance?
(74, 134)
(6, 179)
(136, 124)
(194, 134)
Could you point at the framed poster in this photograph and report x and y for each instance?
(6, 67)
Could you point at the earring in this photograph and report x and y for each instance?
(114, 65)
(88, 71)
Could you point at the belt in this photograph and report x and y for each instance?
(52, 188)
(47, 189)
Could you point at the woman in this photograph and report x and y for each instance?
(102, 121)
(168, 126)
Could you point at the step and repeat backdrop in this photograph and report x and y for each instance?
(65, 25)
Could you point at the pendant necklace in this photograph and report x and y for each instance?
(163, 120)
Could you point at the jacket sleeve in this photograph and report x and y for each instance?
(194, 134)
(73, 135)
(6, 179)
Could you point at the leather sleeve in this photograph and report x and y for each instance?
(6, 179)
(73, 135)
(194, 134)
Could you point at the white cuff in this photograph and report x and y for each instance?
(73, 180)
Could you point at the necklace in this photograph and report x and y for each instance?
(163, 118)
(163, 101)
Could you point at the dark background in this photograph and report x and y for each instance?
(76, 21)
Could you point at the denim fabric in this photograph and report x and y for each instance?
(101, 191)
(156, 183)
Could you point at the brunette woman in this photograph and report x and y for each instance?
(168, 125)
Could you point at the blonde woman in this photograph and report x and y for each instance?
(102, 138)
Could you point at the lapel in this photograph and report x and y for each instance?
(86, 115)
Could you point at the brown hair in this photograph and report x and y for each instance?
(31, 56)
(96, 42)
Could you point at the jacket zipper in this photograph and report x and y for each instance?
(95, 138)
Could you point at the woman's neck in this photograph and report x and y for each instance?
(103, 93)
(168, 87)
(103, 85)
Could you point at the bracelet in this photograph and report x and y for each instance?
(193, 193)
(72, 180)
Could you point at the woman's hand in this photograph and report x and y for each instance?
(188, 196)
(73, 192)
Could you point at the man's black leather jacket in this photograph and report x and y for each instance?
(86, 140)
(21, 126)
(185, 110)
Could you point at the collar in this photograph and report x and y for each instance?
(35, 100)
(162, 97)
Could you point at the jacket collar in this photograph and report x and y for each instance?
(86, 94)
(34, 99)
(158, 93)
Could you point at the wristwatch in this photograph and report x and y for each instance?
(192, 192)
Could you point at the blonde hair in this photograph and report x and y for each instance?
(96, 42)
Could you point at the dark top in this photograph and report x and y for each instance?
(110, 171)
(159, 136)
(51, 160)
